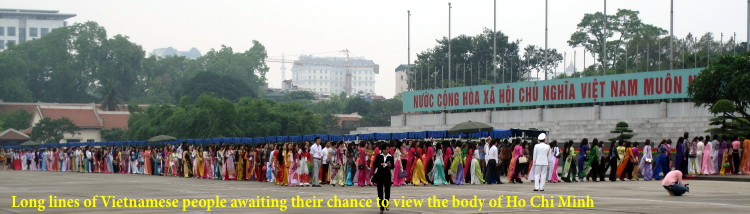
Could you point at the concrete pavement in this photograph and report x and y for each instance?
(607, 197)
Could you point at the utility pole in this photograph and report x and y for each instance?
(408, 44)
(450, 67)
(546, 31)
(494, 39)
(671, 36)
(604, 42)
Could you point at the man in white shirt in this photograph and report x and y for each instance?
(491, 158)
(541, 151)
(317, 153)
(324, 165)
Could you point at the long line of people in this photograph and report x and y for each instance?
(416, 162)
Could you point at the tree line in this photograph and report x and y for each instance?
(631, 46)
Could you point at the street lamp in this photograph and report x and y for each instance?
(450, 67)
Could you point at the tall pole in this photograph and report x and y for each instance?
(671, 36)
(604, 42)
(494, 39)
(449, 44)
(408, 42)
(546, 20)
(747, 42)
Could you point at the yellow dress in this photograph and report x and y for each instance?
(240, 166)
(285, 182)
(200, 166)
(418, 176)
(185, 167)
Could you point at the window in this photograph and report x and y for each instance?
(2, 44)
(45, 31)
(90, 140)
(33, 32)
(2, 31)
(402, 77)
(11, 31)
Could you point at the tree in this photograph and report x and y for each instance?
(728, 126)
(18, 120)
(471, 60)
(727, 79)
(382, 110)
(621, 129)
(358, 105)
(541, 60)
(115, 134)
(109, 96)
(220, 85)
(52, 131)
(625, 26)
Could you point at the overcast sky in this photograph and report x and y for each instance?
(376, 30)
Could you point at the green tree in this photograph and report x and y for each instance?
(725, 78)
(382, 110)
(115, 134)
(53, 130)
(109, 96)
(18, 120)
(471, 60)
(220, 85)
(728, 126)
(624, 26)
(358, 105)
(623, 131)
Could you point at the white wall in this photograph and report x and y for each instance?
(86, 134)
(456, 118)
(423, 119)
(527, 115)
(567, 114)
(630, 111)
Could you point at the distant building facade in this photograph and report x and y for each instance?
(170, 51)
(19, 25)
(327, 75)
(402, 78)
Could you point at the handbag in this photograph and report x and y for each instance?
(402, 174)
(726, 165)
(523, 159)
(648, 160)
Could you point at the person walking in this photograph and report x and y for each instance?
(541, 151)
(317, 153)
(383, 165)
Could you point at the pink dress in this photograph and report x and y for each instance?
(708, 166)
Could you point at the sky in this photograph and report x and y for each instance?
(376, 30)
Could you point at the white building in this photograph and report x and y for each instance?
(18, 25)
(327, 75)
(402, 78)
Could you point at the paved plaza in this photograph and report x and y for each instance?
(608, 197)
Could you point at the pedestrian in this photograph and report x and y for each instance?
(541, 164)
(317, 153)
(383, 165)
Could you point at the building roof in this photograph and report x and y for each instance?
(114, 119)
(11, 107)
(12, 134)
(82, 117)
(403, 67)
(34, 14)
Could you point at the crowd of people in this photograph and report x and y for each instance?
(486, 161)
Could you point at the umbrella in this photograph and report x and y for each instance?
(161, 138)
(469, 127)
(30, 143)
